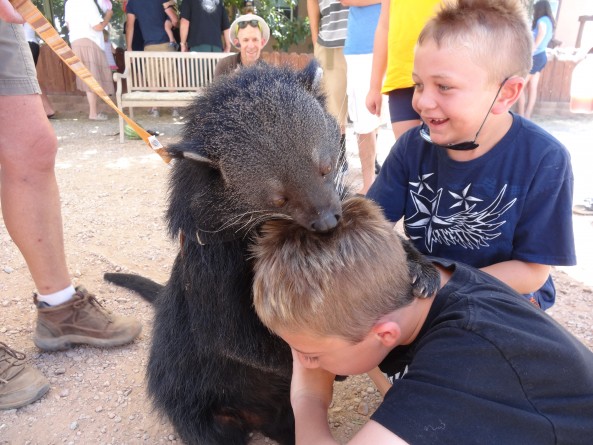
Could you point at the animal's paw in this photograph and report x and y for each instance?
(425, 277)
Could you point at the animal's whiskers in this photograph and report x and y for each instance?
(253, 223)
(237, 220)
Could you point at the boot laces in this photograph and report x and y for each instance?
(92, 300)
(10, 356)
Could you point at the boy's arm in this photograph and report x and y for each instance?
(310, 396)
(314, 15)
(130, 19)
(374, 97)
(522, 276)
(226, 38)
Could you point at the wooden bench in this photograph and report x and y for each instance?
(167, 79)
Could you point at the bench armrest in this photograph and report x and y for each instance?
(117, 77)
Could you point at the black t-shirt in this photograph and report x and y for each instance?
(488, 367)
(207, 20)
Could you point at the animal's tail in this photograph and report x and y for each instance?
(147, 288)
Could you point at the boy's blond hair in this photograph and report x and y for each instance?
(495, 33)
(335, 284)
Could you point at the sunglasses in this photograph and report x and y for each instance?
(243, 25)
(462, 146)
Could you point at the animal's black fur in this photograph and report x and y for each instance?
(258, 145)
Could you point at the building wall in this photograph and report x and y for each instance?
(568, 23)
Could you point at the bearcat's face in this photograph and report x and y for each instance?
(271, 148)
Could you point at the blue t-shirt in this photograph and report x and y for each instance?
(151, 17)
(514, 202)
(362, 23)
(549, 34)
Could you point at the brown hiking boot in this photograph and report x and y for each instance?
(81, 320)
(19, 384)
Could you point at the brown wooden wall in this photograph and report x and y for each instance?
(554, 82)
(55, 77)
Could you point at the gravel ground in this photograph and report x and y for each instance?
(113, 199)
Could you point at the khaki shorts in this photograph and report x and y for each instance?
(334, 80)
(168, 72)
(17, 70)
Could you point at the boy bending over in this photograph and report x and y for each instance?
(477, 183)
(483, 364)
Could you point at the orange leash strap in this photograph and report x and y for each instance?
(47, 32)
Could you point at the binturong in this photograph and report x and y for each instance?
(260, 145)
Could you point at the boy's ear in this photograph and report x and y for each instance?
(509, 94)
(387, 332)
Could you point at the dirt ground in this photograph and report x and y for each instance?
(113, 199)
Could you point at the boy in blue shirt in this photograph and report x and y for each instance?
(475, 182)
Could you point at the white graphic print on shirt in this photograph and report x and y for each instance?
(470, 228)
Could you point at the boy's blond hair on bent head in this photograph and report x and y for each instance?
(335, 284)
(495, 33)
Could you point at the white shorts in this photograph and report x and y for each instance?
(359, 67)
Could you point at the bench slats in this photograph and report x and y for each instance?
(160, 78)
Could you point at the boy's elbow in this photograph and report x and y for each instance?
(539, 275)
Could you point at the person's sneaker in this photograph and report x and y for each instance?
(154, 112)
(174, 45)
(81, 320)
(20, 384)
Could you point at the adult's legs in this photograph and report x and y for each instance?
(29, 191)
(367, 151)
(522, 97)
(30, 204)
(21, 384)
(532, 94)
(333, 62)
(47, 106)
(92, 100)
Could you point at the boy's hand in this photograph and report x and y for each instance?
(310, 385)
(374, 101)
(8, 13)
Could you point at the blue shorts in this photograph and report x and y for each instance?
(400, 105)
(539, 61)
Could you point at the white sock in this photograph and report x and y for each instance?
(57, 297)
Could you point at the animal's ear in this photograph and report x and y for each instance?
(310, 77)
(180, 151)
(196, 157)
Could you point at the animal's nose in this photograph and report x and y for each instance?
(326, 222)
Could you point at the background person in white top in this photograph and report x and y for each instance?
(363, 17)
(85, 29)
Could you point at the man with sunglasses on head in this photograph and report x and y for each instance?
(476, 183)
(249, 34)
(204, 26)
